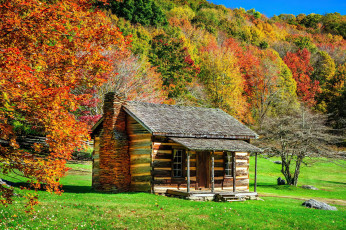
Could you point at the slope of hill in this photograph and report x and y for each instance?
(241, 61)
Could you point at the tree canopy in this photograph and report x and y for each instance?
(47, 50)
(145, 12)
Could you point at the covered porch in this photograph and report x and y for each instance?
(204, 188)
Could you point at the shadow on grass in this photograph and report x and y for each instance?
(89, 189)
(334, 182)
(65, 188)
(77, 189)
(273, 186)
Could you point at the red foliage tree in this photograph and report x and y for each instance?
(47, 50)
(299, 63)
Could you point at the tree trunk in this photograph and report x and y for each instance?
(297, 170)
(285, 169)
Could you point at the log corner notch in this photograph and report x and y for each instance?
(114, 160)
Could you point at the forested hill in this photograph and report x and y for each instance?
(199, 53)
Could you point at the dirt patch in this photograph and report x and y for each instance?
(203, 216)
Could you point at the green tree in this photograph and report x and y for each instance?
(174, 62)
(305, 42)
(312, 20)
(334, 24)
(145, 12)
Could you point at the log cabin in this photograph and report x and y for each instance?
(149, 147)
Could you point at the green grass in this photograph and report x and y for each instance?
(326, 175)
(81, 208)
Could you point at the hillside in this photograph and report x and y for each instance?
(241, 61)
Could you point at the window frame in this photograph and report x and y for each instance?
(181, 176)
(228, 162)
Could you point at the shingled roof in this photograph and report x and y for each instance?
(186, 121)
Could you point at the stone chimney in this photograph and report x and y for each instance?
(114, 159)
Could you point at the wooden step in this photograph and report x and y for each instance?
(228, 197)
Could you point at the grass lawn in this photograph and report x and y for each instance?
(80, 208)
(327, 175)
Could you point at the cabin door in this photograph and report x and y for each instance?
(203, 175)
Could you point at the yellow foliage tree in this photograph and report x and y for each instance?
(221, 74)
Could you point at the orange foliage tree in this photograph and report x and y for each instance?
(48, 49)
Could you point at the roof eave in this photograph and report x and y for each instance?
(253, 149)
(217, 136)
(98, 123)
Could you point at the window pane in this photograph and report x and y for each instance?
(228, 164)
(178, 163)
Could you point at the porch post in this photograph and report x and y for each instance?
(188, 171)
(234, 171)
(212, 172)
(255, 186)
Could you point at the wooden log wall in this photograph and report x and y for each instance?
(162, 169)
(242, 173)
(219, 168)
(140, 156)
(162, 163)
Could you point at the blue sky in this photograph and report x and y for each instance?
(270, 7)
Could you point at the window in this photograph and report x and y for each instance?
(178, 163)
(228, 165)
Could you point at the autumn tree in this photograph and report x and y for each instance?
(324, 68)
(335, 96)
(299, 64)
(48, 49)
(222, 78)
(182, 13)
(324, 71)
(269, 87)
(140, 37)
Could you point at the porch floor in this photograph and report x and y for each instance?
(217, 195)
